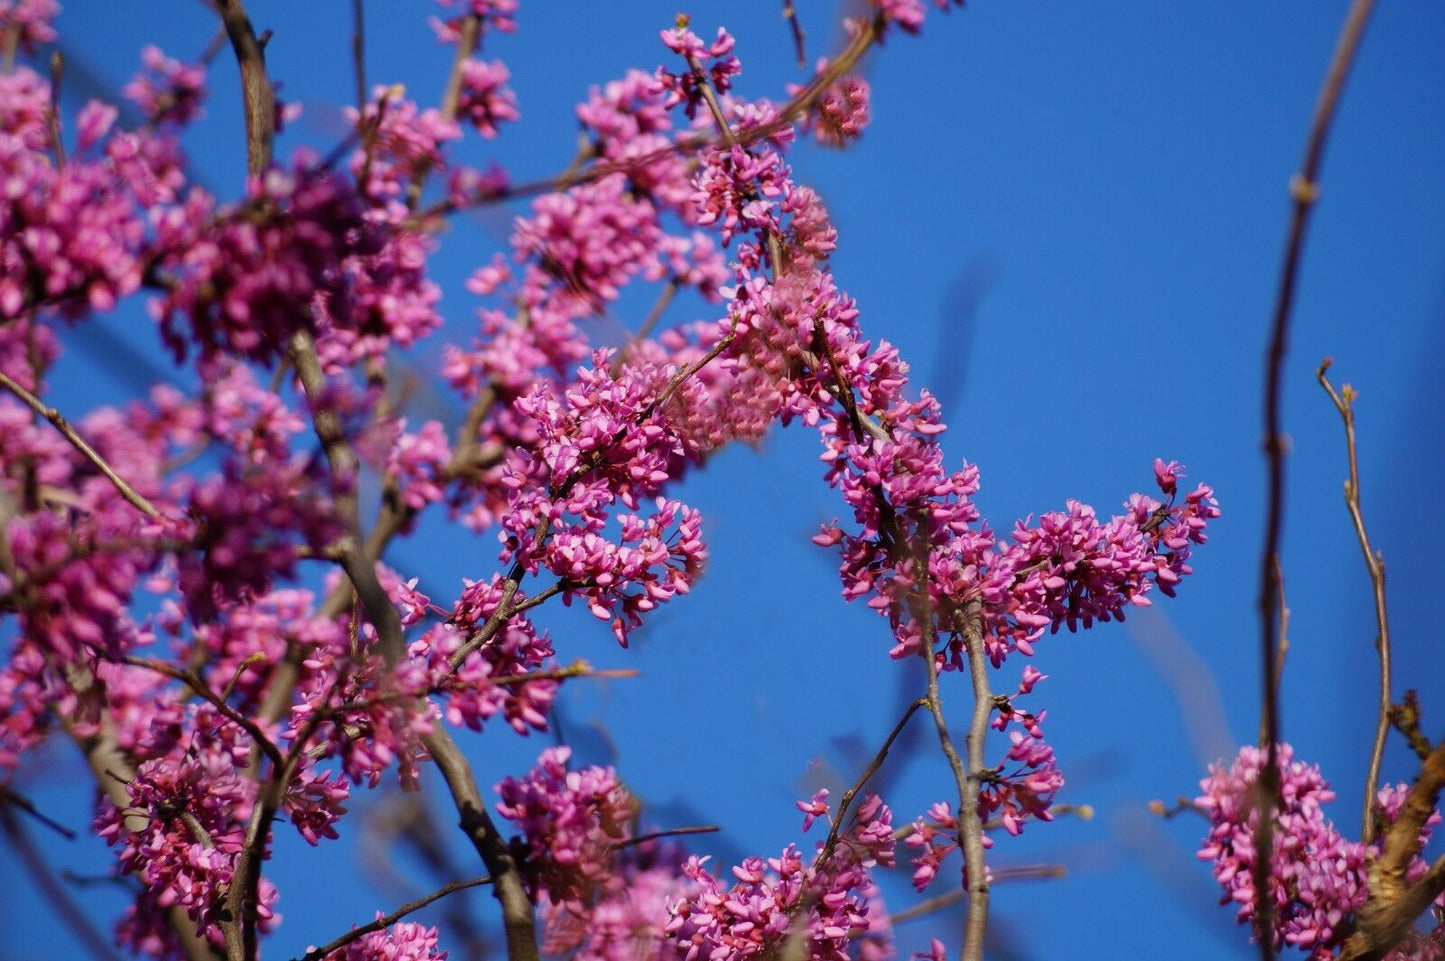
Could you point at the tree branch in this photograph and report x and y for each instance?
(258, 100)
(1375, 565)
(79, 443)
(316, 954)
(1304, 192)
(1393, 904)
(476, 823)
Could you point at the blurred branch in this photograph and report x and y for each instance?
(9, 797)
(1304, 192)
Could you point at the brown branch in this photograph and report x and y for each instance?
(79, 443)
(1375, 565)
(790, 14)
(840, 818)
(358, 52)
(1023, 872)
(1304, 192)
(668, 833)
(469, 31)
(52, 116)
(970, 828)
(316, 954)
(258, 100)
(1405, 717)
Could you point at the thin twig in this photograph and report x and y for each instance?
(315, 954)
(1375, 565)
(669, 833)
(469, 31)
(840, 817)
(198, 684)
(1405, 717)
(79, 443)
(1304, 192)
(790, 14)
(1181, 805)
(1023, 872)
(52, 116)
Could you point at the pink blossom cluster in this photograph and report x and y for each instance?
(194, 799)
(842, 111)
(572, 823)
(168, 92)
(711, 64)
(605, 441)
(472, 692)
(1318, 878)
(486, 100)
(72, 235)
(833, 900)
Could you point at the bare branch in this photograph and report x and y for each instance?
(668, 833)
(258, 99)
(840, 818)
(1375, 565)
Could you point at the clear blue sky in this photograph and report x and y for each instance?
(1069, 217)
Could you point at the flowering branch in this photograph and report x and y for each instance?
(1394, 903)
(1304, 192)
(79, 443)
(476, 823)
(316, 954)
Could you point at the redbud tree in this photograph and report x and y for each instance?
(203, 590)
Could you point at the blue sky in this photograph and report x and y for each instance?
(1069, 217)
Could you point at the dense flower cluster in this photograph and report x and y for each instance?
(572, 822)
(1318, 878)
(833, 900)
